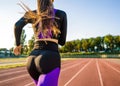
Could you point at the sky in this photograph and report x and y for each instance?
(85, 18)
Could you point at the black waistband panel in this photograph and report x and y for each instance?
(46, 45)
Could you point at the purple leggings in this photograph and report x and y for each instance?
(50, 79)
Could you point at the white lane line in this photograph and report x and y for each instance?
(3, 81)
(9, 70)
(67, 64)
(78, 73)
(112, 67)
(99, 73)
(29, 84)
(61, 71)
(71, 66)
(12, 72)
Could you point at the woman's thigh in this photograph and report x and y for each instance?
(31, 67)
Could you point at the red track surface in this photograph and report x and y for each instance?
(78, 72)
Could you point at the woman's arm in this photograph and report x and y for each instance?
(63, 29)
(17, 33)
(18, 30)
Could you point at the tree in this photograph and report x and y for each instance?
(109, 41)
(91, 44)
(25, 52)
(98, 43)
(85, 44)
(69, 47)
(117, 42)
(23, 37)
(77, 44)
(31, 44)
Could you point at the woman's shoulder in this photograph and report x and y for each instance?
(60, 11)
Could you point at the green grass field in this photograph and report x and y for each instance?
(12, 62)
(9, 59)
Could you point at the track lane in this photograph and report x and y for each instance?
(113, 65)
(89, 76)
(109, 75)
(68, 72)
(71, 80)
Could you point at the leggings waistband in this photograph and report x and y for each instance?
(46, 45)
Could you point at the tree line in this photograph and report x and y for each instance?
(107, 43)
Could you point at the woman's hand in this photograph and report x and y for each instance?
(17, 50)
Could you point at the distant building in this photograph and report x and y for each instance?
(6, 53)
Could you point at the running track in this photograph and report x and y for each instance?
(78, 72)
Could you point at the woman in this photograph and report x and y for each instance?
(50, 28)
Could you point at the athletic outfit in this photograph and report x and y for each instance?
(44, 62)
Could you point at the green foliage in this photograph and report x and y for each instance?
(109, 41)
(90, 55)
(30, 44)
(13, 62)
(105, 44)
(23, 37)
